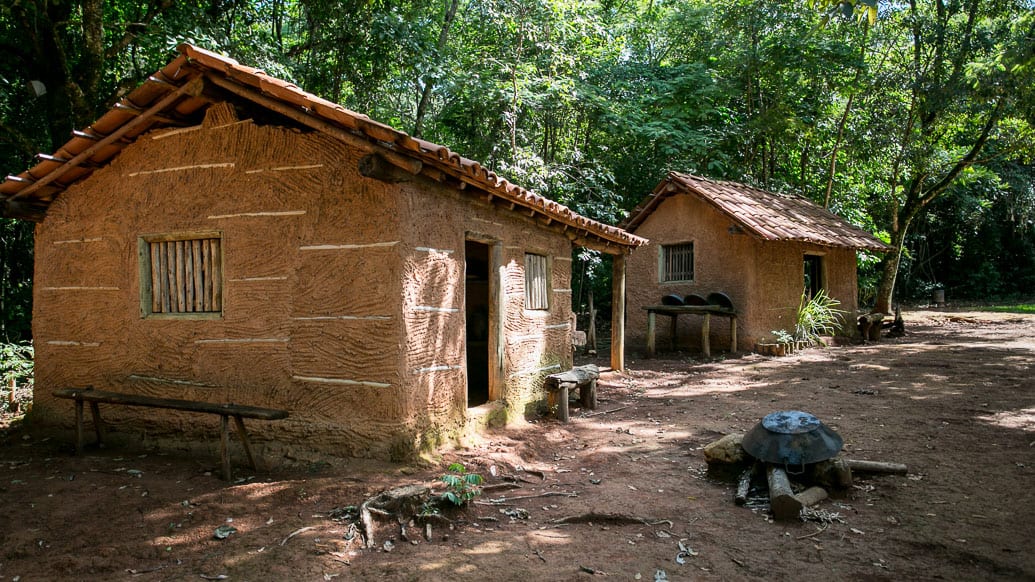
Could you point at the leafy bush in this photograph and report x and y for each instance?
(817, 316)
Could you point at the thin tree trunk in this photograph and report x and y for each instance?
(429, 81)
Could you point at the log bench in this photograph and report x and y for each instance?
(225, 411)
(558, 386)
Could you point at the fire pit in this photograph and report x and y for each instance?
(792, 438)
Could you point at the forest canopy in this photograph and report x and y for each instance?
(913, 120)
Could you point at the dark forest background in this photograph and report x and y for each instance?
(911, 119)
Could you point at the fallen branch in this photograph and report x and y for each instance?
(876, 467)
(815, 533)
(503, 500)
(500, 486)
(540, 554)
(616, 518)
(295, 533)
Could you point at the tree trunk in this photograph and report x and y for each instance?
(429, 81)
(889, 267)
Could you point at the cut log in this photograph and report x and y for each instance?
(811, 496)
(395, 506)
(781, 498)
(833, 473)
(877, 467)
(870, 326)
(744, 484)
(726, 450)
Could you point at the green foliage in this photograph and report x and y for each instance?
(1017, 308)
(16, 362)
(461, 486)
(817, 316)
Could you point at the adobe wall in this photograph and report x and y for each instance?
(722, 262)
(312, 260)
(763, 279)
(536, 342)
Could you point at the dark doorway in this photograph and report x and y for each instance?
(813, 274)
(476, 300)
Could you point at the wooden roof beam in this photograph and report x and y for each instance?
(192, 87)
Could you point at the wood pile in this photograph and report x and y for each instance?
(789, 492)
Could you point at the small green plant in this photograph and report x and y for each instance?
(461, 486)
(782, 336)
(817, 316)
(15, 361)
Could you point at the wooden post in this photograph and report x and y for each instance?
(705, 332)
(618, 314)
(562, 402)
(224, 445)
(98, 423)
(497, 345)
(672, 330)
(244, 440)
(651, 321)
(588, 395)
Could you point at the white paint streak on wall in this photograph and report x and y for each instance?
(244, 340)
(562, 290)
(284, 169)
(181, 168)
(342, 381)
(170, 381)
(433, 309)
(78, 241)
(73, 343)
(442, 368)
(344, 317)
(558, 326)
(536, 370)
(524, 338)
(562, 259)
(252, 279)
(347, 247)
(251, 214)
(431, 250)
(79, 289)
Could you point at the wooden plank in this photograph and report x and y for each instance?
(217, 275)
(618, 313)
(193, 87)
(206, 285)
(733, 334)
(181, 300)
(188, 276)
(199, 267)
(170, 276)
(156, 285)
(106, 397)
(497, 327)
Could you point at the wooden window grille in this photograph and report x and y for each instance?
(184, 275)
(537, 282)
(677, 262)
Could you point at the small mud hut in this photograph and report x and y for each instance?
(760, 249)
(221, 235)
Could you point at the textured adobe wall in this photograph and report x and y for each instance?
(764, 279)
(439, 220)
(311, 267)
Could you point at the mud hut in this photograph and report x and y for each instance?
(760, 249)
(221, 235)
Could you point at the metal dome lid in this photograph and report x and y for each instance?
(792, 437)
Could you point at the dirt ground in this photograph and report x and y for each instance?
(954, 400)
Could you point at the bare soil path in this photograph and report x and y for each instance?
(954, 400)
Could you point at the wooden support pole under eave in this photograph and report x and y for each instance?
(618, 313)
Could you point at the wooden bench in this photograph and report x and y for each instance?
(225, 411)
(558, 386)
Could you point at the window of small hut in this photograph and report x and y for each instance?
(537, 282)
(677, 262)
(181, 275)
